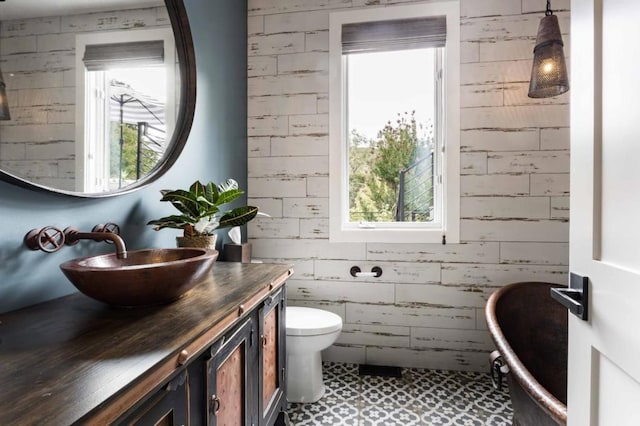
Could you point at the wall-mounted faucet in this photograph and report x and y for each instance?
(98, 233)
(48, 239)
(51, 239)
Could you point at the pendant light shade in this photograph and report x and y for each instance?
(549, 74)
(4, 103)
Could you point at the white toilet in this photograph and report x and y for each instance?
(309, 331)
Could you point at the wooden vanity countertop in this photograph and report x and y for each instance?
(68, 360)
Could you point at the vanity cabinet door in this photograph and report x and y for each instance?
(272, 358)
(229, 381)
(167, 407)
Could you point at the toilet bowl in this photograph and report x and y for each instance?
(309, 331)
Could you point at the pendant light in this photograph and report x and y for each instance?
(4, 103)
(549, 73)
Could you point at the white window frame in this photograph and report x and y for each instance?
(448, 229)
(89, 176)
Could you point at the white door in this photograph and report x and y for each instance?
(604, 352)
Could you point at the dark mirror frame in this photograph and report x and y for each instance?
(186, 109)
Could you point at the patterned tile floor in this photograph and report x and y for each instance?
(420, 397)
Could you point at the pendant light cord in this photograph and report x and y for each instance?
(548, 12)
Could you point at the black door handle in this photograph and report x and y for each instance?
(575, 298)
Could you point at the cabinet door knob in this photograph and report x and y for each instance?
(240, 309)
(182, 357)
(264, 340)
(215, 404)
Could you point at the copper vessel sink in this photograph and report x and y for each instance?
(144, 278)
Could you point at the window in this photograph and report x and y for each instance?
(394, 124)
(125, 97)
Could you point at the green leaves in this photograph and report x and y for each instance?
(238, 216)
(200, 208)
(229, 196)
(211, 193)
(375, 166)
(175, 222)
(186, 202)
(229, 191)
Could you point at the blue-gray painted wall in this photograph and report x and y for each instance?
(216, 150)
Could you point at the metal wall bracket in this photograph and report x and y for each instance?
(575, 297)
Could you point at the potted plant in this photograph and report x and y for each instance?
(201, 214)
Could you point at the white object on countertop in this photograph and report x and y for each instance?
(235, 234)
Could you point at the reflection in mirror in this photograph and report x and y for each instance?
(93, 94)
(124, 105)
(4, 105)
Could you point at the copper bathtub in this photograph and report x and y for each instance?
(529, 330)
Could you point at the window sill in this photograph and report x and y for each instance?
(380, 235)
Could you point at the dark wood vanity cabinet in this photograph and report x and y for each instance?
(215, 357)
(168, 406)
(237, 381)
(272, 359)
(246, 370)
(230, 378)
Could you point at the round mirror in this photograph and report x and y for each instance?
(96, 98)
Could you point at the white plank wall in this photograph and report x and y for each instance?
(37, 58)
(427, 310)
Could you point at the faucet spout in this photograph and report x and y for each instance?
(72, 236)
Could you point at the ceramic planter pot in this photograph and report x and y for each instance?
(200, 241)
